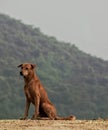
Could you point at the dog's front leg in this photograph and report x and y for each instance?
(37, 102)
(26, 110)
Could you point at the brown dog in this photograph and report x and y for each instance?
(36, 94)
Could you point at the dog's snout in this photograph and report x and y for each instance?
(21, 73)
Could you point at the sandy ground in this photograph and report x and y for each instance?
(53, 125)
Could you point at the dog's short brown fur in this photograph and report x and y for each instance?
(36, 94)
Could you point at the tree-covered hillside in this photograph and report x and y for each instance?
(76, 82)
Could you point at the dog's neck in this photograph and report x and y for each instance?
(29, 78)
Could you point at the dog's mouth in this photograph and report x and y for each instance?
(23, 74)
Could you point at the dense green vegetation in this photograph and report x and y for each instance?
(76, 82)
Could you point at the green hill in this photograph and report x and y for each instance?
(76, 82)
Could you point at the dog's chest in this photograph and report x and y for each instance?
(29, 93)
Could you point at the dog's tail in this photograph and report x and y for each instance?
(72, 117)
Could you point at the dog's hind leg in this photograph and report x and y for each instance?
(50, 110)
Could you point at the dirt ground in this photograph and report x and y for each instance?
(53, 125)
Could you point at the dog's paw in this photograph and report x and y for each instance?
(35, 117)
(23, 118)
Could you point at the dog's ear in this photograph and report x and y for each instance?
(20, 65)
(33, 66)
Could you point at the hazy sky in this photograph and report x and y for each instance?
(82, 22)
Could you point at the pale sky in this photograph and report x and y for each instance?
(80, 22)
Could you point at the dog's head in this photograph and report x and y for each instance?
(26, 69)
